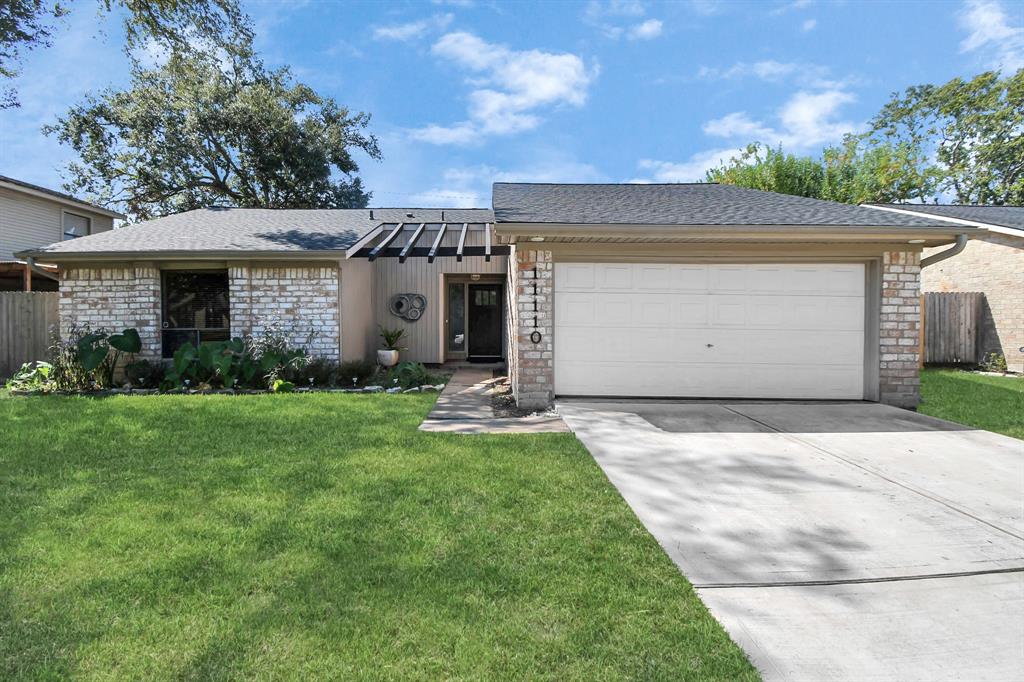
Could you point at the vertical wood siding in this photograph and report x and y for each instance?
(25, 323)
(417, 276)
(951, 327)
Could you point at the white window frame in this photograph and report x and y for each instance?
(63, 233)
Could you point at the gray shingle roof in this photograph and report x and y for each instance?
(680, 204)
(1003, 216)
(253, 230)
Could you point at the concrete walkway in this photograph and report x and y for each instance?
(464, 406)
(833, 541)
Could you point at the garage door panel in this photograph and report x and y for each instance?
(757, 331)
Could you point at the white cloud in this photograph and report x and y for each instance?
(791, 6)
(691, 170)
(597, 11)
(807, 120)
(412, 29)
(510, 87)
(990, 31)
(808, 25)
(612, 18)
(772, 71)
(737, 125)
(646, 30)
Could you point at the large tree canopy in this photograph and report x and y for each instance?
(193, 133)
(213, 25)
(969, 134)
(964, 139)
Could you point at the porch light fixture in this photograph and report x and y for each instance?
(536, 239)
(916, 241)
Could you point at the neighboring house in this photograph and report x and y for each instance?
(698, 290)
(33, 216)
(991, 263)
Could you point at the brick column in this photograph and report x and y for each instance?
(532, 364)
(900, 329)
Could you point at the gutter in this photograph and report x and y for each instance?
(961, 243)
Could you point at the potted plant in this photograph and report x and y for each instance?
(392, 338)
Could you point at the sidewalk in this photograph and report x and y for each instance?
(464, 406)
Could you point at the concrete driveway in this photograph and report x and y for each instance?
(833, 541)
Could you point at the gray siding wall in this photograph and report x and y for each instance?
(28, 222)
(416, 275)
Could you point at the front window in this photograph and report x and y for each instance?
(76, 226)
(195, 307)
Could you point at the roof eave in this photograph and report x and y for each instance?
(1016, 232)
(65, 201)
(233, 254)
(938, 234)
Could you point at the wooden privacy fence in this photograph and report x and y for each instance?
(25, 322)
(951, 325)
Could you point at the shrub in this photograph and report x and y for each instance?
(317, 372)
(145, 374)
(356, 372)
(253, 361)
(68, 374)
(994, 362)
(409, 375)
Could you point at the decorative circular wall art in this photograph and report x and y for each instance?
(408, 306)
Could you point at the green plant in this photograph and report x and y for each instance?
(68, 373)
(994, 362)
(282, 386)
(409, 375)
(144, 373)
(33, 376)
(318, 372)
(392, 337)
(96, 358)
(356, 372)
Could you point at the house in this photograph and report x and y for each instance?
(992, 263)
(681, 290)
(33, 216)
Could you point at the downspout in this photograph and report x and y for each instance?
(961, 243)
(38, 270)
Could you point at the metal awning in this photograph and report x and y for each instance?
(384, 241)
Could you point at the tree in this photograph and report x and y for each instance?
(855, 173)
(968, 134)
(771, 170)
(212, 26)
(191, 133)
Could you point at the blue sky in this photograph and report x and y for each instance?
(467, 92)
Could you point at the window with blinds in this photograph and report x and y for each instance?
(76, 226)
(195, 308)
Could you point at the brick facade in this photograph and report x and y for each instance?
(114, 298)
(303, 298)
(992, 264)
(899, 332)
(531, 365)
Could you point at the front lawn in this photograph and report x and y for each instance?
(992, 403)
(322, 535)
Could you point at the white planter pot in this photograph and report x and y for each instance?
(387, 358)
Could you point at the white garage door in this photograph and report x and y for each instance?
(715, 331)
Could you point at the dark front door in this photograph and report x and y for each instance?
(484, 322)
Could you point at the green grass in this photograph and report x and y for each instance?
(986, 402)
(300, 536)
